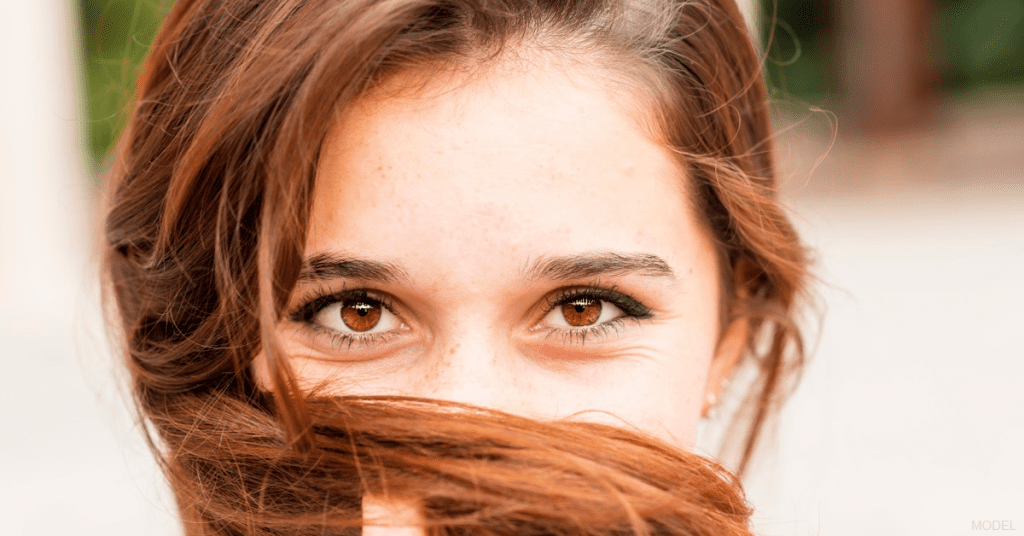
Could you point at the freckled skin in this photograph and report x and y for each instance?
(465, 184)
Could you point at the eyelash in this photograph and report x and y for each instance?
(632, 309)
(321, 299)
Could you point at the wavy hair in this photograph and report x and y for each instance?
(209, 207)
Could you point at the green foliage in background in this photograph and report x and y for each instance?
(116, 35)
(983, 42)
(980, 44)
(795, 33)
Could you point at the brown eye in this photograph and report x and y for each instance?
(581, 311)
(360, 315)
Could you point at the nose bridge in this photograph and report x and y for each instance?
(473, 365)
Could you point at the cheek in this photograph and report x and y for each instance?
(669, 411)
(684, 398)
(668, 400)
(655, 385)
(680, 351)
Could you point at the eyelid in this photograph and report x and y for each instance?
(579, 336)
(633, 310)
(628, 304)
(318, 299)
(345, 341)
(321, 298)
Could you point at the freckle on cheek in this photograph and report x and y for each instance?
(438, 366)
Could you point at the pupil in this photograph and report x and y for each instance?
(360, 315)
(582, 311)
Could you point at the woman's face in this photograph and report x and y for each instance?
(514, 240)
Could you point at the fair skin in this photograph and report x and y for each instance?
(515, 240)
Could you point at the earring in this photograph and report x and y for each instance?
(710, 406)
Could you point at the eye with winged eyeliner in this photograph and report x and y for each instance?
(620, 306)
(629, 309)
(630, 306)
(327, 266)
(369, 309)
(597, 310)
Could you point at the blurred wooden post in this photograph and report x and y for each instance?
(751, 12)
(887, 61)
(44, 230)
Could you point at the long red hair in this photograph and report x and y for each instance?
(209, 207)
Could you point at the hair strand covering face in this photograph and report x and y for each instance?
(209, 207)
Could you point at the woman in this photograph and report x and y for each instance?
(384, 256)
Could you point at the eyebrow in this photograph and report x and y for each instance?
(600, 263)
(560, 268)
(333, 265)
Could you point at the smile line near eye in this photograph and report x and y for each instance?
(573, 334)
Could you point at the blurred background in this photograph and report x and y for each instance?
(901, 146)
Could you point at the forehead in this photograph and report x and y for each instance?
(535, 160)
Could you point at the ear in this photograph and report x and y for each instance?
(723, 364)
